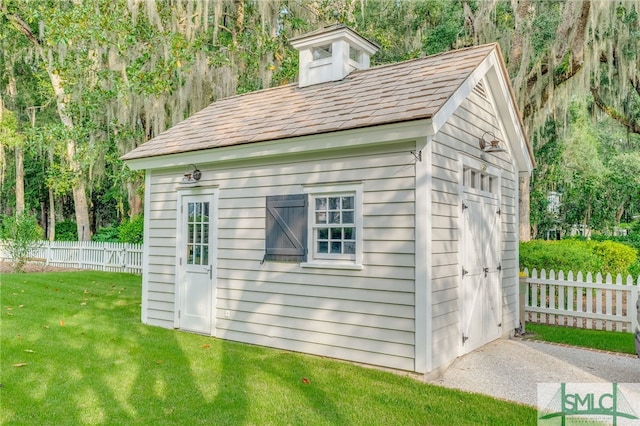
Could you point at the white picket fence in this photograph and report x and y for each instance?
(100, 256)
(579, 301)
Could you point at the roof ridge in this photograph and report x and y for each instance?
(433, 56)
(377, 67)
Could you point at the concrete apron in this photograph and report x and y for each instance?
(511, 369)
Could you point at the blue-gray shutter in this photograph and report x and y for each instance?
(286, 228)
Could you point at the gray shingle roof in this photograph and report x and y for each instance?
(387, 94)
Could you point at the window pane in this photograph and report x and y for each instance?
(336, 233)
(321, 203)
(323, 247)
(334, 217)
(198, 212)
(321, 217)
(347, 203)
(191, 208)
(336, 247)
(323, 233)
(322, 52)
(205, 255)
(354, 54)
(347, 217)
(334, 203)
(198, 234)
(206, 212)
(205, 234)
(190, 232)
(197, 255)
(190, 254)
(349, 247)
(349, 233)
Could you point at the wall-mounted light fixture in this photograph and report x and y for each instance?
(489, 143)
(193, 176)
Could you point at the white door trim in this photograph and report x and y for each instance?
(180, 260)
(487, 185)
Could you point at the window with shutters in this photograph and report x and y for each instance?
(286, 228)
(335, 225)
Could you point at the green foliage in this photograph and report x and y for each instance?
(132, 231)
(66, 230)
(616, 258)
(107, 234)
(565, 255)
(578, 255)
(20, 234)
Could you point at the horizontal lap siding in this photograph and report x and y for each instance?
(459, 136)
(161, 247)
(360, 315)
(364, 316)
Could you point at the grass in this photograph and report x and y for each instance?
(73, 351)
(613, 341)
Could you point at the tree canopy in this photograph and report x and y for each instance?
(83, 82)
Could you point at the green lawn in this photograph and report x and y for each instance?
(73, 351)
(598, 339)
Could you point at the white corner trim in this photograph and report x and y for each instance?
(144, 308)
(423, 349)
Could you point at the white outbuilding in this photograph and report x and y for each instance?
(366, 214)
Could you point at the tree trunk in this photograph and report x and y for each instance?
(51, 224)
(524, 205)
(134, 199)
(79, 189)
(19, 179)
(3, 162)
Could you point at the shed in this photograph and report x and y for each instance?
(366, 214)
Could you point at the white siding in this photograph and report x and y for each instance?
(459, 136)
(360, 315)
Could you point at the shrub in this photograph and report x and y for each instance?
(132, 231)
(578, 255)
(66, 231)
(107, 234)
(616, 258)
(20, 234)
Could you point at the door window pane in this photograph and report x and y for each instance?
(198, 233)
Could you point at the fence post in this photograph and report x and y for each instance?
(635, 294)
(522, 293)
(635, 301)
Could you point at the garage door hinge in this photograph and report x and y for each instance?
(499, 212)
(464, 339)
(464, 271)
(464, 206)
(499, 267)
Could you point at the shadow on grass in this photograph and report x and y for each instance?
(74, 352)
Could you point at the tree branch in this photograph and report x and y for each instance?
(20, 25)
(631, 125)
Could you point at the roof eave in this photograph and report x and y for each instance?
(344, 139)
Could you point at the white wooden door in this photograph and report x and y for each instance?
(481, 300)
(197, 262)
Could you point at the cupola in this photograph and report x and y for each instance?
(331, 53)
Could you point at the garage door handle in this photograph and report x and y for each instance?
(486, 271)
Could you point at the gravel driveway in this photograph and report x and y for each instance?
(511, 369)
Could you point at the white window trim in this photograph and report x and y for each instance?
(356, 189)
